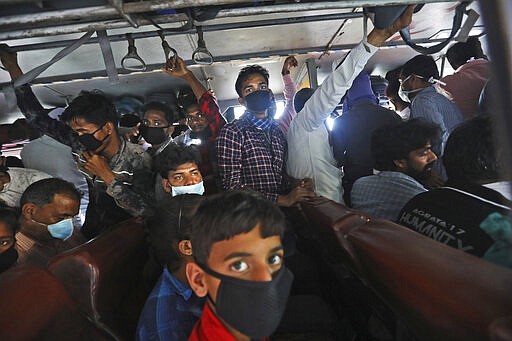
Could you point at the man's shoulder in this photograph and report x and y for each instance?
(237, 127)
(389, 179)
(134, 149)
(134, 155)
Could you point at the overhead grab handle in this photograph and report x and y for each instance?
(132, 61)
(457, 22)
(168, 50)
(201, 55)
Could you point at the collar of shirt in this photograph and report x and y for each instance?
(260, 123)
(472, 62)
(210, 328)
(392, 174)
(182, 289)
(116, 158)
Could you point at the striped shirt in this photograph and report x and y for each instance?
(434, 107)
(383, 195)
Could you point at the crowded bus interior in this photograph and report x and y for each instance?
(255, 170)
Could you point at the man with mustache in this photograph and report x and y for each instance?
(403, 156)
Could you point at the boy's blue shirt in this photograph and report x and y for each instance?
(170, 312)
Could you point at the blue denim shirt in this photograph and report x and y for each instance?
(170, 312)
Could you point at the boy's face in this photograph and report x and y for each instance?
(186, 174)
(245, 256)
(246, 283)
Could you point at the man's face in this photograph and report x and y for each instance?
(101, 133)
(410, 83)
(6, 237)
(245, 256)
(253, 83)
(196, 120)
(156, 119)
(186, 174)
(420, 161)
(62, 207)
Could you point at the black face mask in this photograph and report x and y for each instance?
(90, 142)
(153, 135)
(258, 101)
(253, 308)
(8, 258)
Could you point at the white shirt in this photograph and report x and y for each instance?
(50, 156)
(21, 178)
(309, 152)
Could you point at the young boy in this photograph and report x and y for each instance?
(171, 309)
(236, 242)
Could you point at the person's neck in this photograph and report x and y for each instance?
(112, 148)
(180, 273)
(260, 115)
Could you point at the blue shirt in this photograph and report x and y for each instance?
(170, 312)
(435, 108)
(383, 195)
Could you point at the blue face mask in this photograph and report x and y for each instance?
(192, 189)
(61, 230)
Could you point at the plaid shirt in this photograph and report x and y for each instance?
(252, 158)
(170, 312)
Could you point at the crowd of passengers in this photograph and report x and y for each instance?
(431, 165)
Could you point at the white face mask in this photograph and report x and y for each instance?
(192, 189)
(405, 114)
(404, 94)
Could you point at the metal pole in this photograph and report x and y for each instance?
(312, 73)
(221, 59)
(101, 12)
(208, 28)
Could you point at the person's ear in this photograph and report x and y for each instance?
(196, 279)
(28, 210)
(185, 247)
(241, 100)
(167, 185)
(109, 127)
(401, 164)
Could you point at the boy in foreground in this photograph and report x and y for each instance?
(236, 242)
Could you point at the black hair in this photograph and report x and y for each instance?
(42, 192)
(186, 99)
(170, 225)
(301, 97)
(173, 156)
(245, 73)
(10, 217)
(159, 106)
(93, 107)
(459, 53)
(392, 90)
(225, 215)
(395, 142)
(471, 154)
(421, 65)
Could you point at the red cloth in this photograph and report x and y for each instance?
(466, 84)
(210, 328)
(208, 106)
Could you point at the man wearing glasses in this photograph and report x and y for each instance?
(202, 115)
